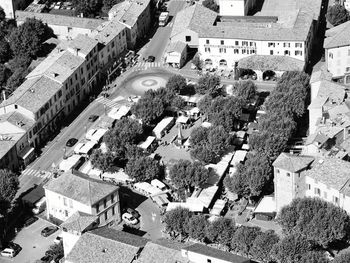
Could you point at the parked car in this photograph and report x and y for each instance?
(58, 239)
(47, 231)
(46, 259)
(71, 142)
(151, 59)
(30, 220)
(129, 219)
(93, 118)
(133, 212)
(17, 248)
(9, 253)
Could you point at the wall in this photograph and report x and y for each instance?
(69, 240)
(194, 43)
(108, 209)
(338, 60)
(314, 115)
(199, 258)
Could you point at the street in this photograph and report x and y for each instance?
(158, 43)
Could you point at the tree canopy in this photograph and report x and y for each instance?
(197, 227)
(176, 84)
(187, 175)
(337, 14)
(209, 84)
(212, 5)
(244, 238)
(246, 90)
(89, 8)
(342, 258)
(102, 161)
(143, 169)
(197, 62)
(262, 246)
(177, 220)
(221, 231)
(8, 188)
(316, 220)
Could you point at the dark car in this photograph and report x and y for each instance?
(93, 118)
(46, 258)
(133, 212)
(71, 142)
(47, 231)
(30, 220)
(151, 59)
(17, 248)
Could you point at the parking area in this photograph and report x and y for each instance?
(33, 244)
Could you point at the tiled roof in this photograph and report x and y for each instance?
(59, 20)
(333, 172)
(216, 253)
(338, 36)
(265, 62)
(92, 247)
(10, 134)
(292, 163)
(177, 46)
(107, 31)
(162, 251)
(79, 222)
(18, 119)
(83, 43)
(193, 18)
(80, 188)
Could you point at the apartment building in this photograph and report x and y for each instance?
(135, 16)
(305, 176)
(337, 51)
(71, 193)
(64, 27)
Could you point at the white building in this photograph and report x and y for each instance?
(10, 6)
(71, 193)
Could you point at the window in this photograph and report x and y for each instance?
(298, 45)
(271, 44)
(317, 191)
(70, 203)
(236, 43)
(298, 53)
(278, 171)
(97, 208)
(105, 203)
(286, 44)
(330, 55)
(207, 49)
(335, 200)
(252, 51)
(30, 134)
(222, 42)
(347, 69)
(207, 41)
(76, 76)
(64, 201)
(66, 213)
(112, 198)
(208, 260)
(113, 210)
(243, 51)
(309, 186)
(271, 52)
(236, 51)
(188, 38)
(60, 93)
(286, 52)
(222, 50)
(106, 215)
(244, 43)
(288, 174)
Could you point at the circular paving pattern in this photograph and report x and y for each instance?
(144, 83)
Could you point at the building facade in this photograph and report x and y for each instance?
(10, 6)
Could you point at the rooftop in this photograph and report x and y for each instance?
(292, 163)
(79, 222)
(9, 135)
(83, 44)
(216, 253)
(80, 188)
(107, 31)
(59, 20)
(106, 245)
(177, 46)
(338, 36)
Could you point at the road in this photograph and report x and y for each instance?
(176, 6)
(54, 150)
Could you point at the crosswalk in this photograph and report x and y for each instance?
(109, 103)
(146, 65)
(34, 173)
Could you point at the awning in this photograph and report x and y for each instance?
(26, 152)
(182, 119)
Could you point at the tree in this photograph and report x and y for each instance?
(4, 74)
(8, 189)
(16, 79)
(2, 15)
(315, 219)
(108, 4)
(187, 175)
(209, 84)
(176, 84)
(102, 161)
(237, 183)
(176, 221)
(246, 90)
(221, 231)
(143, 169)
(5, 53)
(263, 244)
(28, 37)
(197, 226)
(55, 250)
(342, 258)
(204, 104)
(337, 14)
(178, 103)
(244, 238)
(89, 8)
(148, 110)
(290, 249)
(211, 4)
(314, 257)
(197, 62)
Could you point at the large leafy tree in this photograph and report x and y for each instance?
(197, 62)
(8, 189)
(337, 14)
(176, 84)
(5, 52)
(342, 258)
(177, 220)
(148, 109)
(244, 238)
(108, 4)
(89, 8)
(197, 226)
(262, 246)
(211, 4)
(27, 39)
(143, 169)
(2, 14)
(314, 257)
(209, 84)
(221, 231)
(246, 90)
(315, 219)
(187, 175)
(102, 161)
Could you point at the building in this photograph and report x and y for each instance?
(337, 51)
(304, 176)
(198, 253)
(71, 193)
(10, 6)
(106, 245)
(135, 16)
(64, 27)
(176, 54)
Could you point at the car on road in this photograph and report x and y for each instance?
(30, 220)
(71, 142)
(133, 212)
(9, 252)
(93, 118)
(46, 259)
(47, 231)
(151, 59)
(17, 248)
(129, 219)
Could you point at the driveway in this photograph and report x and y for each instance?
(33, 244)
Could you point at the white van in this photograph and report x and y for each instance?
(39, 206)
(8, 252)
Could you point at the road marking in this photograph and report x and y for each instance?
(34, 173)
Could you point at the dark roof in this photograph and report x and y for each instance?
(292, 163)
(216, 253)
(34, 195)
(79, 222)
(120, 236)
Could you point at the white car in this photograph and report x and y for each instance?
(129, 219)
(8, 252)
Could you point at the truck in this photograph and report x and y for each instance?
(163, 18)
